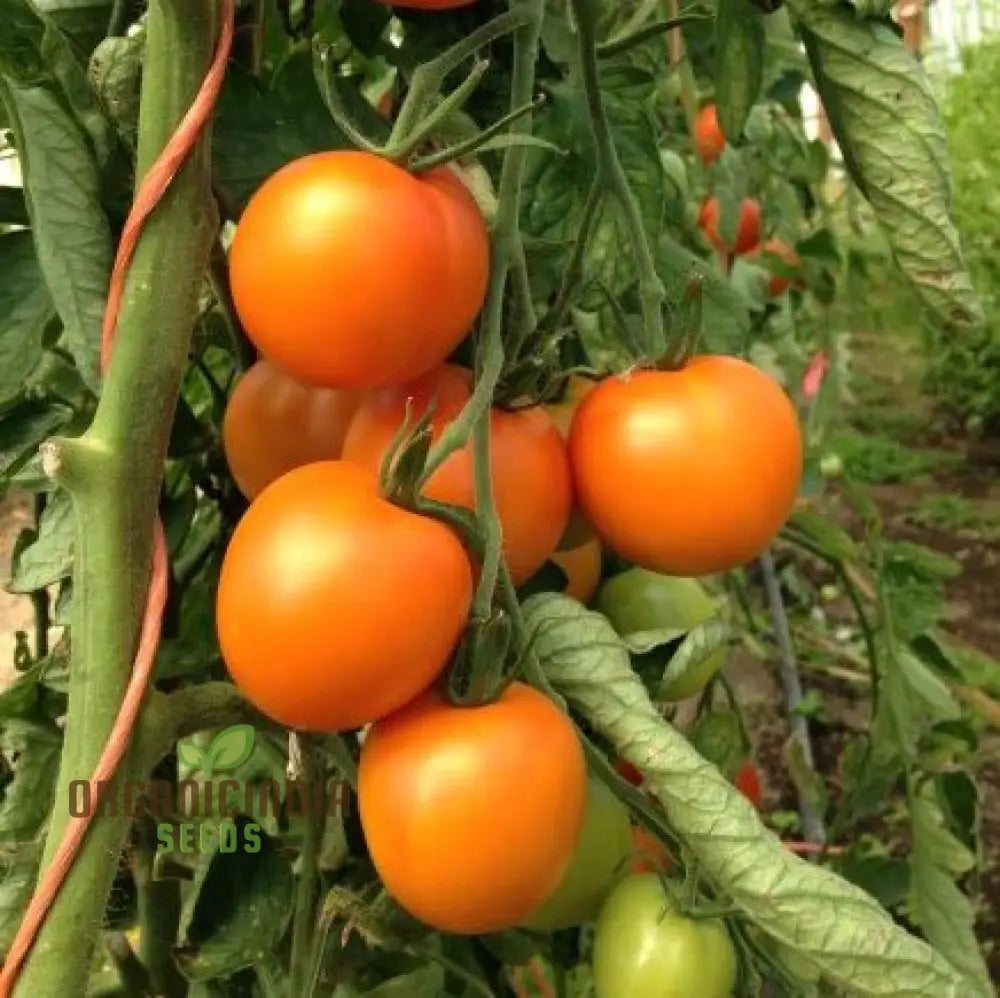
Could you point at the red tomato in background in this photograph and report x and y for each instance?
(687, 472)
(779, 283)
(709, 141)
(274, 423)
(334, 606)
(747, 234)
(747, 781)
(531, 480)
(349, 272)
(472, 815)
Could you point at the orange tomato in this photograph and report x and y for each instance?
(709, 142)
(334, 606)
(748, 233)
(472, 814)
(779, 283)
(687, 472)
(274, 423)
(582, 566)
(651, 854)
(531, 481)
(349, 272)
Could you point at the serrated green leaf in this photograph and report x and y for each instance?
(238, 909)
(25, 308)
(887, 124)
(18, 874)
(937, 905)
(739, 63)
(71, 233)
(427, 982)
(31, 753)
(49, 556)
(836, 928)
(700, 643)
(231, 747)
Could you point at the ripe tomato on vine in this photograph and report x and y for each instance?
(323, 239)
(682, 441)
(531, 478)
(320, 623)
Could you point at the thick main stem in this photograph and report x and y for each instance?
(114, 472)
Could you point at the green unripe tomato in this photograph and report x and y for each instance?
(601, 858)
(645, 948)
(638, 600)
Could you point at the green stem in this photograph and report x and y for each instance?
(611, 173)
(114, 472)
(428, 77)
(470, 145)
(304, 919)
(627, 40)
(574, 268)
(527, 16)
(159, 904)
(327, 86)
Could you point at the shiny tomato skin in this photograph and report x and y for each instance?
(747, 233)
(601, 858)
(779, 283)
(472, 814)
(709, 140)
(582, 566)
(320, 621)
(349, 272)
(645, 948)
(687, 472)
(531, 480)
(274, 423)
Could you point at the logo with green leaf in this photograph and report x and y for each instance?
(230, 748)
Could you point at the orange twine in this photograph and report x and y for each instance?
(150, 192)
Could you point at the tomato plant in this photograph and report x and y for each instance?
(274, 423)
(320, 242)
(230, 229)
(531, 480)
(472, 816)
(347, 637)
(635, 437)
(601, 858)
(638, 601)
(644, 946)
(747, 236)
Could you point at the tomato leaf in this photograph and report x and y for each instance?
(25, 308)
(886, 121)
(427, 982)
(700, 643)
(238, 910)
(739, 64)
(937, 905)
(71, 233)
(30, 752)
(832, 925)
(48, 556)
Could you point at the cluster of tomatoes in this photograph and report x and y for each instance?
(709, 144)
(337, 609)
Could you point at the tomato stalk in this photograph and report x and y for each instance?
(791, 684)
(611, 174)
(113, 473)
(411, 126)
